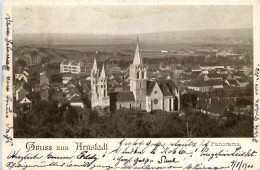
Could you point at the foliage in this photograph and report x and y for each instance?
(46, 119)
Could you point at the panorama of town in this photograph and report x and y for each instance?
(194, 90)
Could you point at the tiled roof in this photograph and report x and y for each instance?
(125, 96)
(166, 86)
(219, 106)
(27, 96)
(76, 99)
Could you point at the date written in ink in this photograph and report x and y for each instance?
(240, 165)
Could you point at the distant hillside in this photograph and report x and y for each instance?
(198, 36)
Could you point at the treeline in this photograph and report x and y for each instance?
(49, 121)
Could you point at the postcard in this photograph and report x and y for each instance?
(130, 85)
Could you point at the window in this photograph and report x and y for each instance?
(120, 105)
(155, 92)
(140, 84)
(143, 75)
(137, 75)
(130, 106)
(155, 101)
(140, 105)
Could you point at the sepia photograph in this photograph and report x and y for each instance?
(132, 71)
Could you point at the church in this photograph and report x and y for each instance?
(144, 94)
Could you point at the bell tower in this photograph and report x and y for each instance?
(99, 95)
(94, 85)
(138, 78)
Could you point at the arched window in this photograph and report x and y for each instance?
(137, 75)
(143, 74)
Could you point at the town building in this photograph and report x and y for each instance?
(44, 79)
(77, 102)
(143, 94)
(99, 95)
(23, 76)
(22, 91)
(31, 60)
(72, 67)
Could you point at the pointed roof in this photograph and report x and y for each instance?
(95, 65)
(137, 58)
(103, 74)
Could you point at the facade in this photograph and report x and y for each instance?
(22, 76)
(162, 95)
(72, 67)
(31, 60)
(99, 95)
(143, 94)
(77, 102)
(44, 79)
(22, 92)
(138, 79)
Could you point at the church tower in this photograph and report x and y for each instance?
(138, 79)
(99, 95)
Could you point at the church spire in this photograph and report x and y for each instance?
(103, 74)
(137, 58)
(95, 65)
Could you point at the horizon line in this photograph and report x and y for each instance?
(134, 34)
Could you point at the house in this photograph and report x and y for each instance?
(22, 76)
(25, 104)
(44, 79)
(222, 71)
(77, 102)
(214, 106)
(232, 83)
(243, 82)
(125, 99)
(45, 86)
(23, 91)
(195, 69)
(44, 93)
(198, 86)
(72, 67)
(212, 77)
(25, 100)
(66, 78)
(31, 60)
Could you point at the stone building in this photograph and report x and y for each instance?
(143, 94)
(99, 95)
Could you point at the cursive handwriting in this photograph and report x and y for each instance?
(7, 107)
(6, 135)
(8, 42)
(139, 154)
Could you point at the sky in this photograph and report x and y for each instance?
(125, 19)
